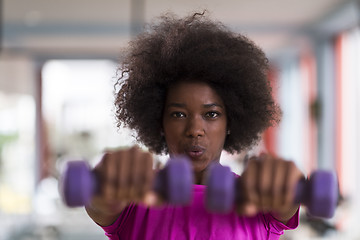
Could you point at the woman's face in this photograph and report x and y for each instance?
(195, 123)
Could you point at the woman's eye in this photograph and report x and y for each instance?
(177, 114)
(212, 114)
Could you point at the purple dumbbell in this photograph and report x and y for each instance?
(319, 194)
(173, 183)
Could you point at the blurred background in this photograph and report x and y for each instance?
(58, 63)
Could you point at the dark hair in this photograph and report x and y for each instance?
(195, 47)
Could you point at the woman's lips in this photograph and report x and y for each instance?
(195, 151)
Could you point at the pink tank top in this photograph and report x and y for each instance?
(194, 222)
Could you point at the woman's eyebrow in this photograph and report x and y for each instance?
(180, 105)
(210, 105)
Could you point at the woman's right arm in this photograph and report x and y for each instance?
(124, 176)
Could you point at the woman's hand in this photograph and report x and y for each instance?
(269, 185)
(124, 176)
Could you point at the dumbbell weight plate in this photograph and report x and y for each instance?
(323, 194)
(179, 181)
(220, 192)
(77, 184)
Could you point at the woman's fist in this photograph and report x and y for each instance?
(269, 185)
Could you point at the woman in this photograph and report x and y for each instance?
(190, 86)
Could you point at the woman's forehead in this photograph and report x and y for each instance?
(188, 91)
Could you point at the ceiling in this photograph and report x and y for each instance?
(93, 28)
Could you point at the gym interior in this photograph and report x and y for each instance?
(58, 66)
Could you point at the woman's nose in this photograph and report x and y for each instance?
(195, 127)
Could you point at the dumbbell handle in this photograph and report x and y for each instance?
(79, 183)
